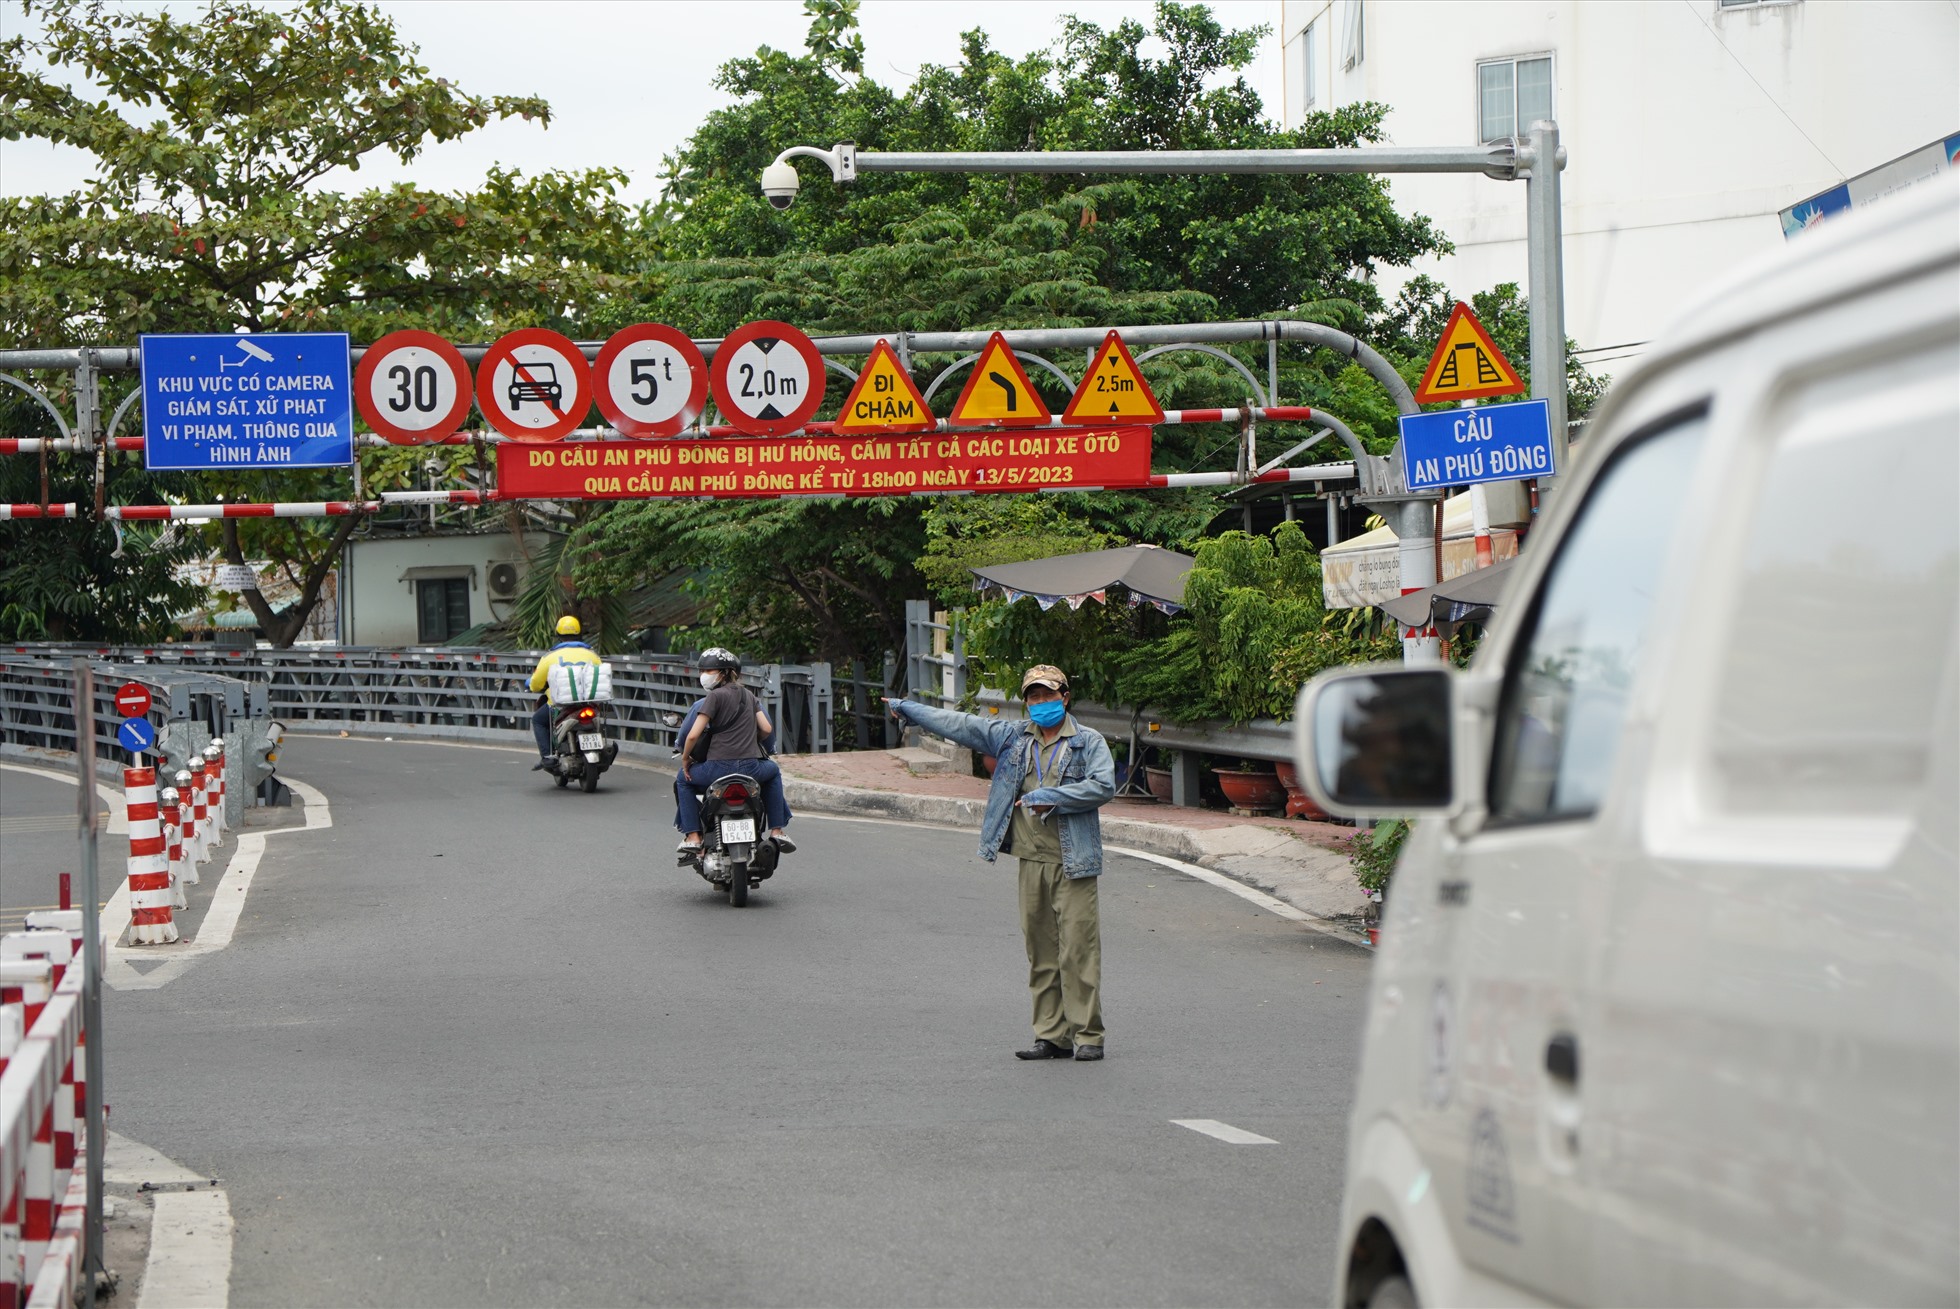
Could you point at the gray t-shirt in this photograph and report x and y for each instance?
(730, 711)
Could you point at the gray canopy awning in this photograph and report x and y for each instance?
(1465, 599)
(1152, 575)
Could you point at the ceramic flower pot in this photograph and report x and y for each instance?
(1159, 782)
(1254, 792)
(1298, 803)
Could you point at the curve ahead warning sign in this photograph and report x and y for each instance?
(533, 385)
(412, 387)
(767, 378)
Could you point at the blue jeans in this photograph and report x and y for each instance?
(541, 729)
(687, 791)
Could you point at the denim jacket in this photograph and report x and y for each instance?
(1088, 779)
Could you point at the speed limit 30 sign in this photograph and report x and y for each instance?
(650, 380)
(412, 387)
(533, 385)
(767, 378)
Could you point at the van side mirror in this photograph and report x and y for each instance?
(1377, 741)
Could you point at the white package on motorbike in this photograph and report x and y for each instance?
(578, 683)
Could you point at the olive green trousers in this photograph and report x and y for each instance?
(1063, 928)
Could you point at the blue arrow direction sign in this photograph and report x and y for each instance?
(136, 735)
(249, 400)
(1491, 443)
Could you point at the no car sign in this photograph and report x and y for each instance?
(650, 380)
(533, 385)
(412, 387)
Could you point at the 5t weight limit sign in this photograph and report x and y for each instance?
(412, 387)
(768, 378)
(650, 380)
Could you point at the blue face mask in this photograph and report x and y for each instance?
(1047, 713)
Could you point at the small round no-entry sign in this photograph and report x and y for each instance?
(767, 378)
(534, 385)
(132, 699)
(412, 387)
(650, 380)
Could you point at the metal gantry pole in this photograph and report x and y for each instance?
(1546, 285)
(97, 1134)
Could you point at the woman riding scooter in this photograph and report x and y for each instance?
(735, 728)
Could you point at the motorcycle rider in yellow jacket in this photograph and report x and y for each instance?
(568, 651)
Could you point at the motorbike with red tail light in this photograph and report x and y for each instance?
(582, 747)
(735, 852)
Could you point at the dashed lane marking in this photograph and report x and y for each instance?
(1224, 1131)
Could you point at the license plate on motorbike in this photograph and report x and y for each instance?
(591, 740)
(737, 831)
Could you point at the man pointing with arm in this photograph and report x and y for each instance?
(1052, 776)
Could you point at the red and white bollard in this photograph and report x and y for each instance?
(180, 855)
(214, 781)
(150, 918)
(173, 846)
(200, 820)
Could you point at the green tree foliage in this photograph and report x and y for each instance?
(921, 252)
(1255, 627)
(218, 145)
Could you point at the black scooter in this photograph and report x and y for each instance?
(736, 852)
(579, 744)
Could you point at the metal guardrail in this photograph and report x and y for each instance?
(440, 691)
(37, 703)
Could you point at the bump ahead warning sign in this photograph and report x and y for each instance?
(1467, 364)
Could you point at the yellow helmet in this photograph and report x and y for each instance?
(568, 626)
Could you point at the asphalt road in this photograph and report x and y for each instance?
(481, 1042)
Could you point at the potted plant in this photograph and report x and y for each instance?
(1251, 787)
(1157, 776)
(1374, 854)
(1298, 803)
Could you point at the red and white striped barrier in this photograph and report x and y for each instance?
(43, 1187)
(8, 511)
(283, 509)
(173, 846)
(151, 921)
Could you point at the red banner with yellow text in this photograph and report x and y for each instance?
(1085, 457)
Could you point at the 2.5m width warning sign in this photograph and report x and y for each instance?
(1090, 458)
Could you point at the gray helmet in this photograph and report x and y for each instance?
(718, 660)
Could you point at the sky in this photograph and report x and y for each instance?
(629, 80)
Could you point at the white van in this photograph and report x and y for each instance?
(1667, 1006)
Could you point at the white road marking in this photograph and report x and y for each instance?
(190, 1231)
(220, 920)
(1224, 1131)
(109, 795)
(1272, 904)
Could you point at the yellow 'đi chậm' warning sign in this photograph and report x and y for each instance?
(1467, 364)
(1113, 391)
(885, 399)
(998, 393)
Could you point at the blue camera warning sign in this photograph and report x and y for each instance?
(247, 400)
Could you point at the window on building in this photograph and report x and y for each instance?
(442, 608)
(1310, 43)
(1512, 94)
(1351, 37)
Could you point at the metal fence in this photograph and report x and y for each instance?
(37, 702)
(438, 692)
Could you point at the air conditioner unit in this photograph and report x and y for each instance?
(503, 581)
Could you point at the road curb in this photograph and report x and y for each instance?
(1277, 863)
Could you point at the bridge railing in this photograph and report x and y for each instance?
(438, 692)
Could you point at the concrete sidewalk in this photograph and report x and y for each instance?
(1302, 863)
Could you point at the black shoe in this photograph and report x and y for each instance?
(1084, 1053)
(1045, 1049)
(542, 764)
(784, 845)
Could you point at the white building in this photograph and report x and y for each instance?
(1688, 125)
